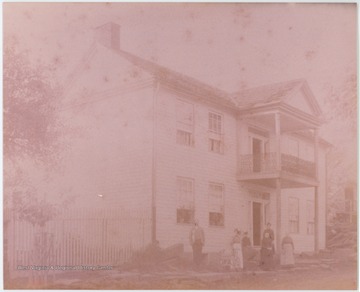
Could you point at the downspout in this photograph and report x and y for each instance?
(316, 196)
(154, 163)
(326, 193)
(278, 182)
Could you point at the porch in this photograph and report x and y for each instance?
(264, 168)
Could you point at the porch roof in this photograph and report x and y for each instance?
(273, 93)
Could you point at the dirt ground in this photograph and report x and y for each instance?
(337, 272)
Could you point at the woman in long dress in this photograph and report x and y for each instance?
(237, 262)
(267, 253)
(287, 254)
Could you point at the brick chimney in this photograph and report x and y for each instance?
(108, 35)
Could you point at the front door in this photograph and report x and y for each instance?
(256, 152)
(256, 220)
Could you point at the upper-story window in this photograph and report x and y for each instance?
(185, 200)
(185, 123)
(293, 215)
(216, 204)
(216, 133)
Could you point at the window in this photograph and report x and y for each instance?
(310, 217)
(215, 133)
(293, 215)
(216, 204)
(185, 200)
(185, 123)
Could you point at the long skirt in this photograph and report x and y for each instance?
(287, 255)
(249, 253)
(266, 259)
(237, 260)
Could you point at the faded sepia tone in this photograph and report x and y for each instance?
(180, 146)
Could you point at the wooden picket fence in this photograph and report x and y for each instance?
(77, 237)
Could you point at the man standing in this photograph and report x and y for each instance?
(197, 241)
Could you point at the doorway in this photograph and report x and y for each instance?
(256, 221)
(256, 152)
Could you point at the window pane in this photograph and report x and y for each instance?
(185, 123)
(293, 207)
(216, 205)
(184, 138)
(185, 200)
(215, 145)
(215, 121)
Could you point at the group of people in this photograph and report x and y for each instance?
(267, 251)
(243, 251)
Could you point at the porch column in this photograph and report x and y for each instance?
(278, 182)
(154, 165)
(316, 191)
(278, 141)
(278, 215)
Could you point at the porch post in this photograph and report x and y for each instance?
(278, 141)
(316, 191)
(154, 165)
(278, 216)
(278, 182)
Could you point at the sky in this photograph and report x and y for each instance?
(227, 45)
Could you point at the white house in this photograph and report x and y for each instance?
(157, 140)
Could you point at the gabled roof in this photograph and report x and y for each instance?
(277, 92)
(266, 93)
(180, 81)
(246, 99)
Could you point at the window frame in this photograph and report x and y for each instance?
(179, 204)
(211, 214)
(183, 128)
(216, 132)
(291, 215)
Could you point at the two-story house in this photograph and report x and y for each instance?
(153, 139)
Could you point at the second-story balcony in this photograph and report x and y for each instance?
(263, 168)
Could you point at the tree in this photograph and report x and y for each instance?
(30, 131)
(342, 103)
(30, 97)
(342, 131)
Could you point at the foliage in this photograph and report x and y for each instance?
(341, 107)
(32, 209)
(342, 103)
(30, 124)
(30, 132)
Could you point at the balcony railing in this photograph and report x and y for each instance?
(266, 163)
(297, 166)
